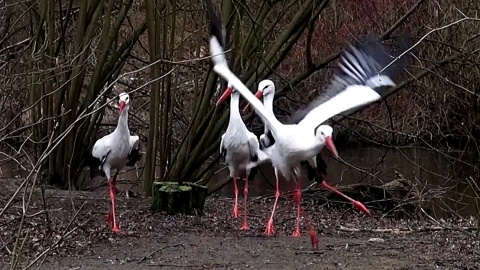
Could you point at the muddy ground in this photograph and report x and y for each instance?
(348, 240)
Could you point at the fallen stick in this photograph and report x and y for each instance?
(190, 266)
(407, 230)
(65, 234)
(158, 250)
(309, 252)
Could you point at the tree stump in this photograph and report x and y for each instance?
(173, 197)
(199, 194)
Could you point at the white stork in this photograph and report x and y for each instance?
(239, 149)
(359, 83)
(115, 151)
(266, 90)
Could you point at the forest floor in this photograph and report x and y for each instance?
(348, 240)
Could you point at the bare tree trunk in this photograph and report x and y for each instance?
(62, 99)
(154, 11)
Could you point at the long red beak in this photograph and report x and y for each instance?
(258, 95)
(225, 95)
(122, 106)
(331, 146)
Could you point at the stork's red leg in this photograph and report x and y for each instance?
(111, 184)
(245, 194)
(110, 215)
(297, 197)
(235, 207)
(360, 206)
(270, 230)
(311, 232)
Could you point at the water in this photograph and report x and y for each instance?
(432, 171)
(436, 174)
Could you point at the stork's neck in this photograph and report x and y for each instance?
(122, 126)
(235, 116)
(268, 103)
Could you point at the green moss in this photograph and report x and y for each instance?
(185, 188)
(174, 198)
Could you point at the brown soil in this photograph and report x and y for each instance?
(214, 241)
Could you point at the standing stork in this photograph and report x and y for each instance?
(115, 151)
(361, 80)
(239, 148)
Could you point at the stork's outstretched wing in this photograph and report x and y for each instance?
(222, 69)
(359, 80)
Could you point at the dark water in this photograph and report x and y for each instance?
(436, 175)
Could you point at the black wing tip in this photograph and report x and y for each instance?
(94, 164)
(268, 141)
(394, 55)
(404, 43)
(96, 172)
(311, 173)
(223, 154)
(316, 173)
(270, 138)
(376, 58)
(134, 156)
(252, 174)
(216, 27)
(321, 164)
(374, 49)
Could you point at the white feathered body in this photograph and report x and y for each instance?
(239, 146)
(113, 149)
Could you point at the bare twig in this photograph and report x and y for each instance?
(65, 234)
(159, 250)
(426, 35)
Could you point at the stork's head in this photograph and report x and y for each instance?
(123, 101)
(228, 92)
(324, 133)
(266, 88)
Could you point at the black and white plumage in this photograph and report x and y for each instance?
(114, 151)
(358, 73)
(266, 91)
(361, 82)
(239, 148)
(133, 157)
